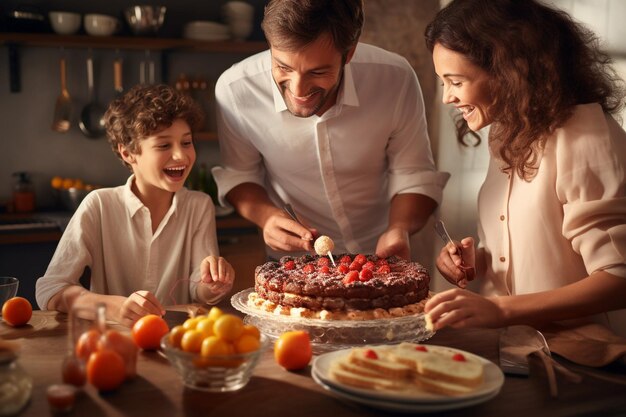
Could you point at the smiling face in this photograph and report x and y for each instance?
(465, 85)
(309, 79)
(164, 160)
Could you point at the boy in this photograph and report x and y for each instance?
(140, 239)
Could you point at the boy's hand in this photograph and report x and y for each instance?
(216, 279)
(137, 305)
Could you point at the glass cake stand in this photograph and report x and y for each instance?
(330, 335)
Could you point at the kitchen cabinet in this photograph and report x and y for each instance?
(164, 46)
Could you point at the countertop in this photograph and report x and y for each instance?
(158, 390)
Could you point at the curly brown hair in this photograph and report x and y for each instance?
(541, 64)
(145, 110)
(293, 24)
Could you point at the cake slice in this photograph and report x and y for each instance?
(376, 360)
(439, 364)
(359, 380)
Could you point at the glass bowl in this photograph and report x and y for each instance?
(214, 374)
(330, 335)
(8, 288)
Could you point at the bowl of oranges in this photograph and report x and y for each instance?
(214, 352)
(70, 192)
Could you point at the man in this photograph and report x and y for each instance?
(334, 127)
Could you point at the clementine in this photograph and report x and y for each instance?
(148, 331)
(292, 350)
(106, 370)
(122, 344)
(17, 311)
(87, 343)
(228, 327)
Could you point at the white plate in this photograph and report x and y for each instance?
(329, 335)
(400, 406)
(493, 378)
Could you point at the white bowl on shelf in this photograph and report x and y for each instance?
(206, 30)
(101, 24)
(64, 23)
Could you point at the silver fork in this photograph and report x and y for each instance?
(441, 230)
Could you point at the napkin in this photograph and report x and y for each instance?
(517, 343)
(588, 344)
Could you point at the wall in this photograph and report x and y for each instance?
(27, 142)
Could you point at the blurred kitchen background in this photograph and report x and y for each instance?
(30, 85)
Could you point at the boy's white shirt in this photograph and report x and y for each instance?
(111, 233)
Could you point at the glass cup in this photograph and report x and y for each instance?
(8, 289)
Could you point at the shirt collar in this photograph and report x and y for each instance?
(134, 204)
(347, 91)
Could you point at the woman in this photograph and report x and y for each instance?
(552, 209)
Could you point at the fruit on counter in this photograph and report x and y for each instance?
(60, 183)
(292, 350)
(106, 370)
(124, 345)
(17, 311)
(148, 331)
(214, 335)
(61, 397)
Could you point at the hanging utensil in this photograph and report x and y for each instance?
(92, 116)
(147, 73)
(63, 106)
(117, 78)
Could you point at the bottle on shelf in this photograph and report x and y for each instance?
(23, 193)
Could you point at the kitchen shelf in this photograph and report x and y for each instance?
(130, 42)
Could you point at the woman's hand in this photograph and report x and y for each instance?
(216, 278)
(137, 305)
(458, 268)
(459, 308)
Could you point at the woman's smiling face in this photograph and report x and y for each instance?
(465, 85)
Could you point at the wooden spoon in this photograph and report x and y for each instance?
(63, 106)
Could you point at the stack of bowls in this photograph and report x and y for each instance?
(206, 31)
(240, 16)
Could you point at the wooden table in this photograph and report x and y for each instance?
(158, 390)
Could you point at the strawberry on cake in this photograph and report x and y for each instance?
(359, 287)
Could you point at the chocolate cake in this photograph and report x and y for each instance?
(356, 283)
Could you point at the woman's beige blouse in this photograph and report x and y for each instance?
(567, 222)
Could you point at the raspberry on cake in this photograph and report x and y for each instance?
(368, 288)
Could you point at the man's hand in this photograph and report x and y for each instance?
(282, 233)
(394, 242)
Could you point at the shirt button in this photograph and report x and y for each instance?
(502, 217)
(502, 259)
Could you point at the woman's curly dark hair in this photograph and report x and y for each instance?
(541, 64)
(145, 110)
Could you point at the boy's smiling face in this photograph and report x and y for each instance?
(164, 160)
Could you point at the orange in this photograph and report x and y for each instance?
(192, 341)
(106, 370)
(215, 313)
(192, 322)
(251, 330)
(56, 182)
(122, 344)
(247, 343)
(228, 327)
(205, 325)
(292, 350)
(87, 343)
(148, 331)
(17, 311)
(214, 346)
(176, 335)
(67, 183)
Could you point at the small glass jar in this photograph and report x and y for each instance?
(16, 385)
